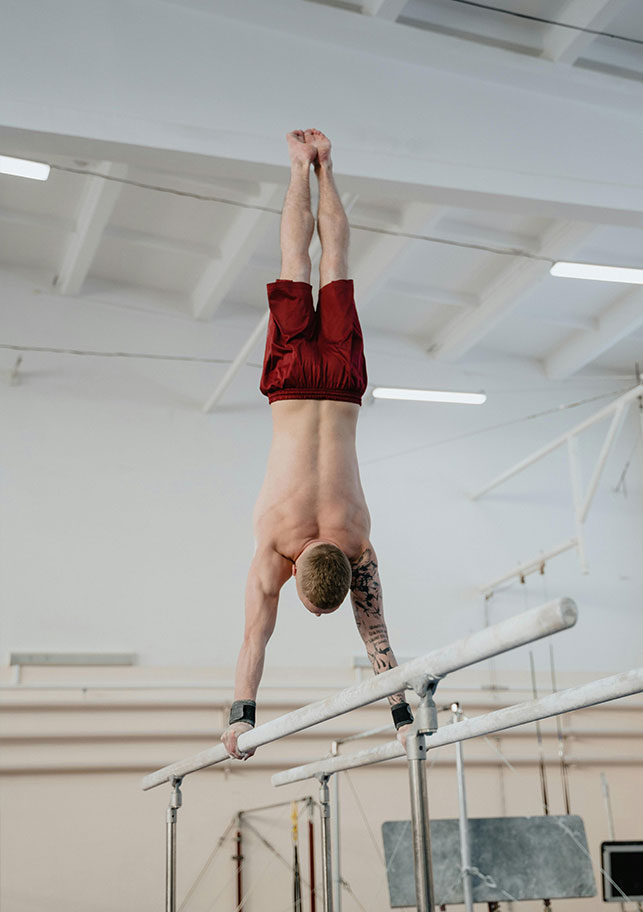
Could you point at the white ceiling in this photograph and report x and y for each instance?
(206, 259)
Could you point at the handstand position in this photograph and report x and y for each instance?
(311, 519)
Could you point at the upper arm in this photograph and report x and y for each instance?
(268, 572)
(366, 588)
(366, 596)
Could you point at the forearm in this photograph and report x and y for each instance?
(249, 669)
(381, 656)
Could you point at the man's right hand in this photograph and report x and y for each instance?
(229, 738)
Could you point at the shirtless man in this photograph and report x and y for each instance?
(311, 518)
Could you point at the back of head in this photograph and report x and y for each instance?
(325, 576)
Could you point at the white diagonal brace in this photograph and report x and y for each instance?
(238, 362)
(383, 9)
(620, 320)
(503, 293)
(348, 200)
(236, 248)
(610, 437)
(567, 45)
(96, 206)
(370, 271)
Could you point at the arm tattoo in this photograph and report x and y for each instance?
(366, 596)
(365, 585)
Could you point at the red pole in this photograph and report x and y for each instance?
(239, 860)
(311, 863)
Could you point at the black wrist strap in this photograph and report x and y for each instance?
(402, 714)
(243, 711)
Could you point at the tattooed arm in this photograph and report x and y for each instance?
(366, 598)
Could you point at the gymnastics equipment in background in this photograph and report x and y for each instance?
(618, 410)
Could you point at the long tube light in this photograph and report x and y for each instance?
(597, 273)
(385, 392)
(21, 167)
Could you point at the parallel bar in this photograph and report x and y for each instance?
(558, 441)
(509, 634)
(601, 691)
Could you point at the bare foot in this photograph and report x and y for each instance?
(300, 149)
(322, 144)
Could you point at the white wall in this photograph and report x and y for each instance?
(126, 511)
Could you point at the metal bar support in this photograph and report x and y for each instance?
(311, 857)
(327, 875)
(426, 722)
(335, 845)
(465, 849)
(176, 800)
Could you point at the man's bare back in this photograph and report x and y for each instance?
(312, 489)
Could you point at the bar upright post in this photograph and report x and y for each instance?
(425, 722)
(176, 800)
(311, 857)
(327, 877)
(335, 847)
(465, 853)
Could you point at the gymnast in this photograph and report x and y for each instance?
(311, 520)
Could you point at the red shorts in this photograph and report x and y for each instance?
(313, 354)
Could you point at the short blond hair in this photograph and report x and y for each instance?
(325, 576)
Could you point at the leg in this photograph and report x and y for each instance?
(297, 225)
(332, 223)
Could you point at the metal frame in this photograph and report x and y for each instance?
(421, 675)
(601, 691)
(618, 410)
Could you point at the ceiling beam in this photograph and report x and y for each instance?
(503, 294)
(247, 230)
(96, 206)
(174, 54)
(157, 242)
(443, 297)
(369, 272)
(383, 9)
(620, 320)
(564, 45)
(486, 235)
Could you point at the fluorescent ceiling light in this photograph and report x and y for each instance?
(385, 392)
(20, 167)
(597, 273)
